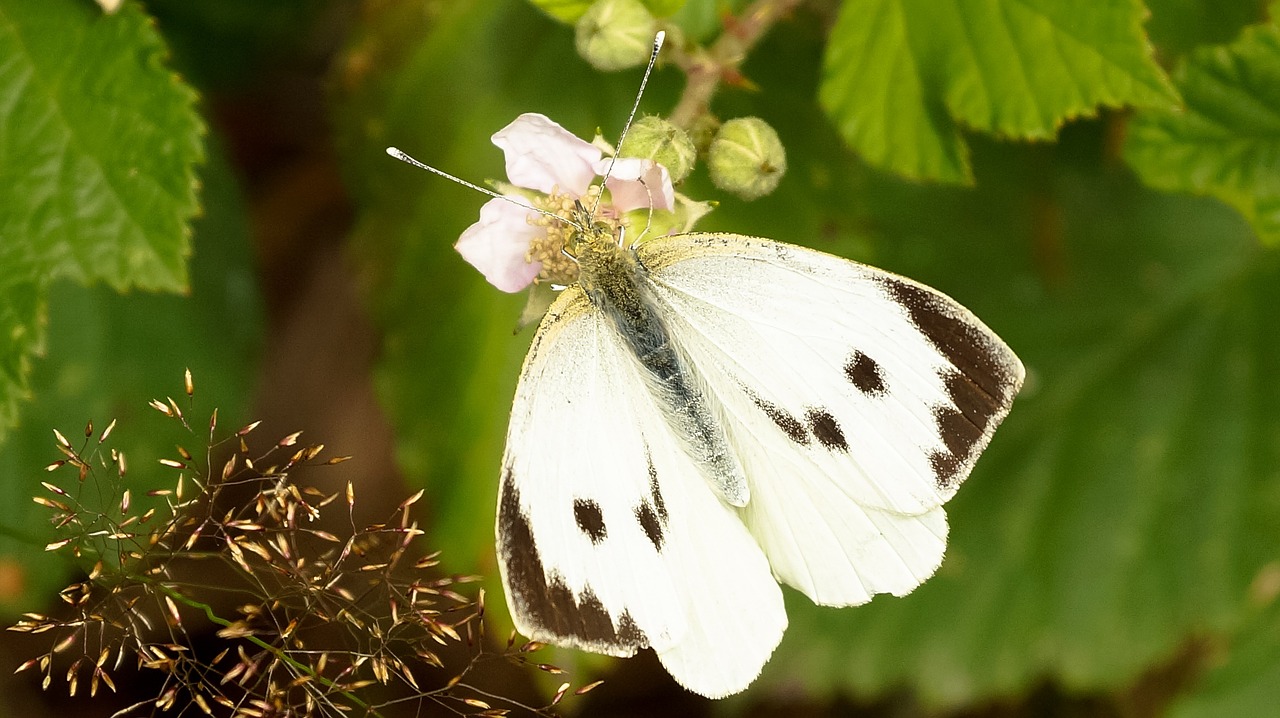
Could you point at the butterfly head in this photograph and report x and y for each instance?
(573, 233)
(593, 243)
(564, 199)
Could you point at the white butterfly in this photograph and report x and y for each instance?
(702, 416)
(709, 414)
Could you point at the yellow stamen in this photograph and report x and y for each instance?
(557, 267)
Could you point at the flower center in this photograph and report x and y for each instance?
(557, 267)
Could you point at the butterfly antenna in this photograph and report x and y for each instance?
(653, 58)
(404, 157)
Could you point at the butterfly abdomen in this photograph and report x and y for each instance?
(613, 280)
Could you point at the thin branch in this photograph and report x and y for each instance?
(708, 68)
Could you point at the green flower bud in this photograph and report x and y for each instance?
(746, 158)
(657, 139)
(615, 34)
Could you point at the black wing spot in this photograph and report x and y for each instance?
(652, 514)
(548, 603)
(827, 429)
(655, 492)
(864, 373)
(590, 519)
(651, 524)
(790, 425)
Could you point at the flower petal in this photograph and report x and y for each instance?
(544, 156)
(498, 244)
(636, 183)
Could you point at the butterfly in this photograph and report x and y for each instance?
(706, 415)
(703, 416)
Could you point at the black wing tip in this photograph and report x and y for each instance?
(987, 376)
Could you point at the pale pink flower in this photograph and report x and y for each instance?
(634, 183)
(498, 245)
(544, 157)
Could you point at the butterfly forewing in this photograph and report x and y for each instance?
(857, 401)
(609, 538)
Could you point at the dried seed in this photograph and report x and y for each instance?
(55, 489)
(588, 687)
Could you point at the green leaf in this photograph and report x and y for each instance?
(100, 140)
(664, 8)
(98, 145)
(902, 77)
(566, 11)
(702, 21)
(1247, 683)
(1226, 142)
(111, 353)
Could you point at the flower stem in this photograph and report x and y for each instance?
(707, 68)
(279, 653)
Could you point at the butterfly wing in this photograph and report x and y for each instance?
(608, 538)
(857, 401)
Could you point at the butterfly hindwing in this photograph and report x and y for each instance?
(609, 539)
(857, 401)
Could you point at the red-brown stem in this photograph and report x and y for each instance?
(706, 68)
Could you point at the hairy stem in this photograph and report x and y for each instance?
(706, 68)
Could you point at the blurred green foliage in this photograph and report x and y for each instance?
(99, 147)
(97, 157)
(1118, 232)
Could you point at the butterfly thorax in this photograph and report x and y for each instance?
(618, 285)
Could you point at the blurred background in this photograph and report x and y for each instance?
(204, 186)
